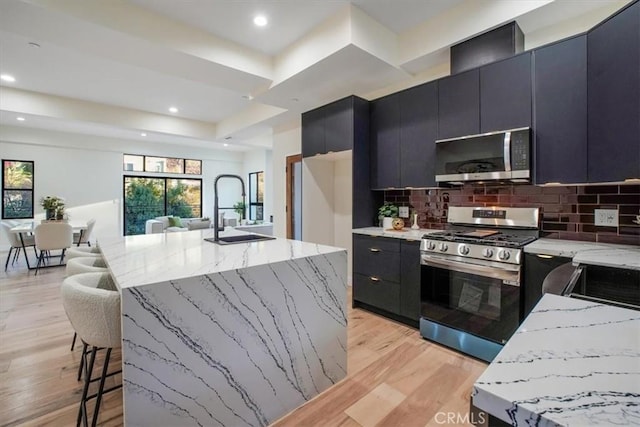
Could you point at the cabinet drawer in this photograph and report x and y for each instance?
(383, 265)
(381, 244)
(377, 293)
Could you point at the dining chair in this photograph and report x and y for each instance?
(16, 244)
(50, 236)
(92, 304)
(84, 236)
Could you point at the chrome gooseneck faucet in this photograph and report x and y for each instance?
(215, 201)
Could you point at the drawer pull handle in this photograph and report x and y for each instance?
(374, 279)
(374, 249)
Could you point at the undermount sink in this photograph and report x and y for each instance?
(245, 238)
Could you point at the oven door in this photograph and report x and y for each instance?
(483, 300)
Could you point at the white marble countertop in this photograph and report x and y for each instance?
(571, 363)
(151, 258)
(589, 253)
(406, 233)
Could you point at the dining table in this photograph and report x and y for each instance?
(28, 227)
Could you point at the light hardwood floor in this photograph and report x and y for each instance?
(395, 378)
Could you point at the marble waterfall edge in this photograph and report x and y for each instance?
(235, 348)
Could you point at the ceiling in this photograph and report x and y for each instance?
(113, 68)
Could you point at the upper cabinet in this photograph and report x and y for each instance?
(403, 133)
(459, 105)
(418, 133)
(385, 141)
(613, 78)
(560, 127)
(491, 98)
(329, 128)
(505, 94)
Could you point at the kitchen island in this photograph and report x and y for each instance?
(226, 335)
(571, 363)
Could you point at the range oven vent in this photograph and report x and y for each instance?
(491, 46)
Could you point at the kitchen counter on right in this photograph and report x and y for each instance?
(570, 363)
(589, 253)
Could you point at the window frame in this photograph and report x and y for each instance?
(144, 165)
(31, 190)
(165, 178)
(256, 203)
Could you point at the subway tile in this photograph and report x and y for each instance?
(485, 199)
(569, 198)
(632, 231)
(630, 189)
(544, 198)
(587, 199)
(556, 226)
(526, 189)
(629, 210)
(621, 240)
(559, 190)
(621, 199)
(586, 237)
(587, 209)
(587, 219)
(601, 189)
(590, 228)
(628, 220)
(504, 198)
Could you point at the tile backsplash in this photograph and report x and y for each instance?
(567, 211)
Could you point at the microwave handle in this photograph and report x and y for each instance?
(507, 151)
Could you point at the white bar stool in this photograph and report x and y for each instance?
(92, 304)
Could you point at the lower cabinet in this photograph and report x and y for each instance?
(386, 277)
(536, 268)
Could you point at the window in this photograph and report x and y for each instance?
(146, 198)
(17, 189)
(137, 163)
(256, 196)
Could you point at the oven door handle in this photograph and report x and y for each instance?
(510, 277)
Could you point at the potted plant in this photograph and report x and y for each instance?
(239, 208)
(386, 213)
(53, 207)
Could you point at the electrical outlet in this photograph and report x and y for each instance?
(606, 217)
(403, 212)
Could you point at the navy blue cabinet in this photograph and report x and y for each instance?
(328, 128)
(613, 77)
(459, 105)
(418, 133)
(410, 280)
(404, 128)
(385, 142)
(505, 94)
(560, 115)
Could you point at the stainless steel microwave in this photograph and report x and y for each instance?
(504, 155)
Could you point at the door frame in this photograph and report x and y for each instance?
(289, 177)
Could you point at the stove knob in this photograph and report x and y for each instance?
(463, 249)
(487, 252)
(443, 247)
(504, 254)
(431, 245)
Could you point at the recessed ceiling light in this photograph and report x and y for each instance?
(143, 134)
(226, 145)
(20, 119)
(173, 110)
(7, 78)
(34, 44)
(260, 20)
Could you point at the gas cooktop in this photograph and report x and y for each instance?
(483, 237)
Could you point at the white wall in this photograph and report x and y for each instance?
(318, 201)
(87, 171)
(255, 161)
(285, 143)
(342, 206)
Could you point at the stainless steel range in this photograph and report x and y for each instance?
(470, 290)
